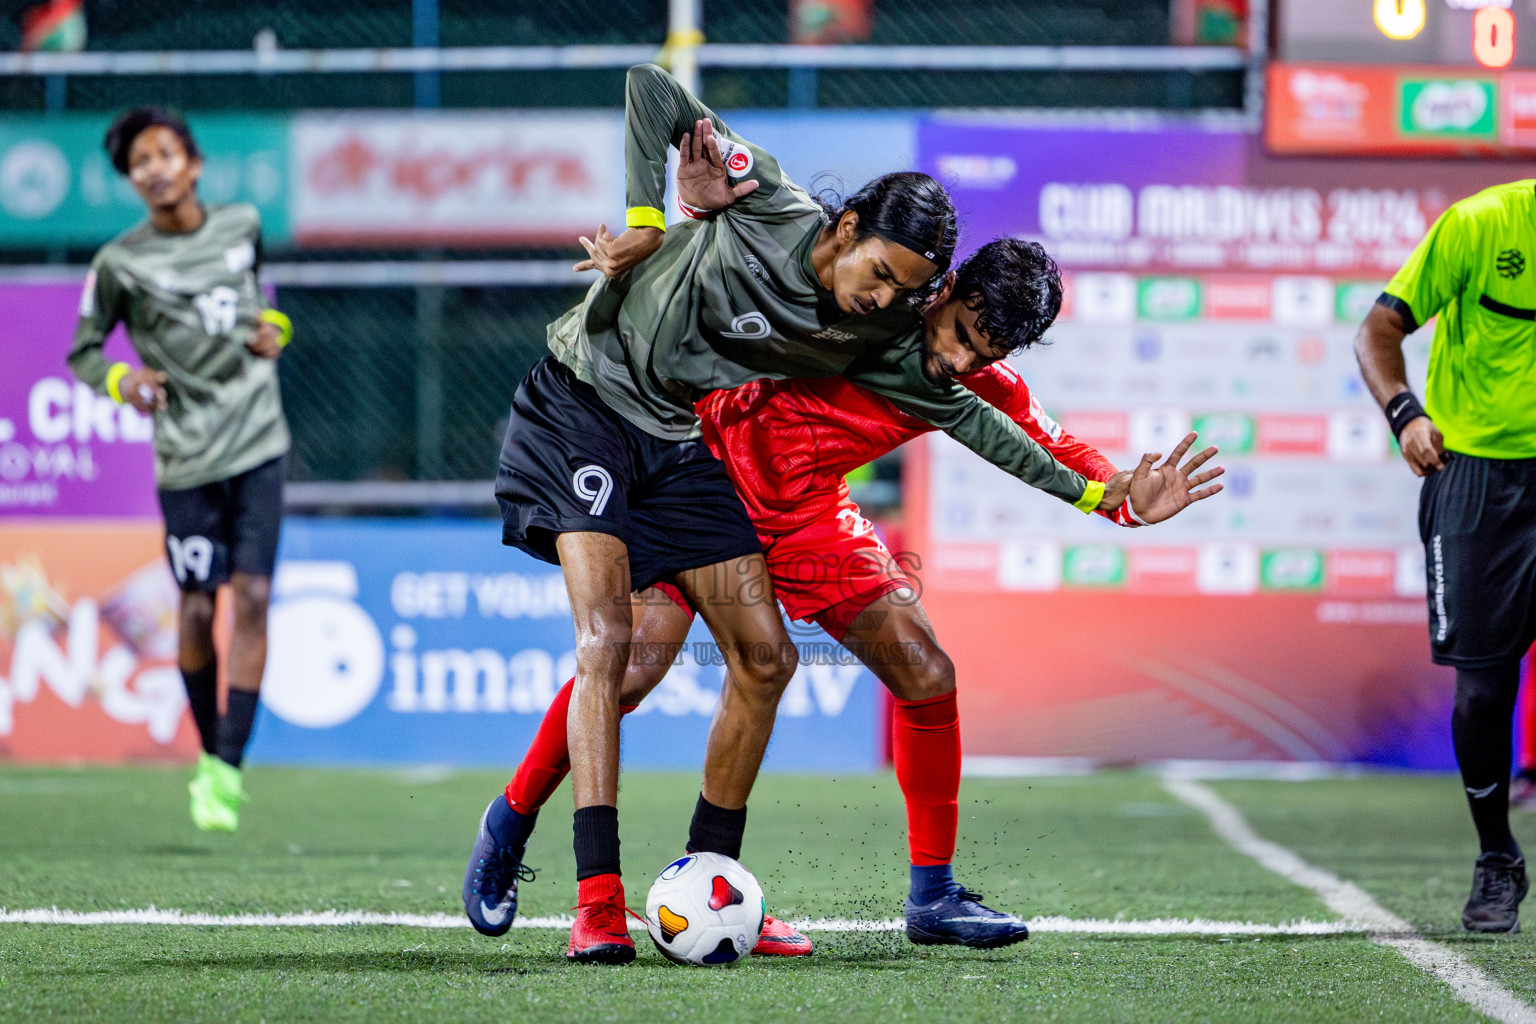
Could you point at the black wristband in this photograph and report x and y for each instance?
(1402, 409)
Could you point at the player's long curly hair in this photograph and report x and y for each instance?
(128, 126)
(1015, 288)
(906, 207)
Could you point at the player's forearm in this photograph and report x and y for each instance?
(1083, 458)
(88, 363)
(1379, 350)
(1002, 442)
(895, 374)
(657, 111)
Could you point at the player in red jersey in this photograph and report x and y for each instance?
(1522, 794)
(788, 445)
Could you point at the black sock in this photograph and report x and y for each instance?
(203, 697)
(235, 726)
(596, 841)
(716, 830)
(1481, 728)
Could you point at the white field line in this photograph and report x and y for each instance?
(1357, 907)
(354, 918)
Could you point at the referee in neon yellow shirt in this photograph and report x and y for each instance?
(1474, 442)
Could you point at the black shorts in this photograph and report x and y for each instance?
(1477, 518)
(570, 464)
(226, 526)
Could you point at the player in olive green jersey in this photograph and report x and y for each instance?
(603, 472)
(184, 284)
(1474, 441)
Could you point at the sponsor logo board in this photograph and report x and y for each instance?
(65, 450)
(390, 642)
(455, 177)
(57, 186)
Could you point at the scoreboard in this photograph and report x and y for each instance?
(1403, 77)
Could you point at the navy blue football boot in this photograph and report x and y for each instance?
(959, 919)
(496, 866)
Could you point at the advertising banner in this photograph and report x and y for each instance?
(88, 645)
(1282, 619)
(1191, 200)
(57, 186)
(459, 178)
(64, 450)
(1424, 111)
(399, 641)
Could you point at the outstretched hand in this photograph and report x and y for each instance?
(618, 255)
(702, 181)
(1160, 492)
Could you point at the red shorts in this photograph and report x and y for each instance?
(827, 571)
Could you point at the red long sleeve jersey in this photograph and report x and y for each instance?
(788, 444)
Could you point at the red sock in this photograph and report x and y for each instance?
(925, 744)
(600, 889)
(1525, 715)
(548, 760)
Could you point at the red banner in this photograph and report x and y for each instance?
(88, 645)
(1399, 111)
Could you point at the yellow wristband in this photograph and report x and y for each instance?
(277, 318)
(1093, 494)
(687, 37)
(645, 217)
(115, 377)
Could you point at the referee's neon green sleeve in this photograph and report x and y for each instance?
(1435, 271)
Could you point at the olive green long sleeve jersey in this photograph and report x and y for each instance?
(190, 302)
(734, 297)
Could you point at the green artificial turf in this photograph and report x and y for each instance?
(1408, 840)
(1112, 845)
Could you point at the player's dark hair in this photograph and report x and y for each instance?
(908, 208)
(1015, 289)
(129, 125)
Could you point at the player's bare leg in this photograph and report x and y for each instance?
(196, 658)
(252, 594)
(199, 666)
(894, 638)
(496, 863)
(596, 569)
(736, 601)
(218, 789)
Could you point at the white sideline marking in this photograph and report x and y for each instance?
(354, 918)
(1357, 907)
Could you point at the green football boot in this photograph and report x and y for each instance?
(216, 795)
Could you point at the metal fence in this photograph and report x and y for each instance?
(269, 37)
(408, 378)
(408, 383)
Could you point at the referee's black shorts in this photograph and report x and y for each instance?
(571, 464)
(1477, 518)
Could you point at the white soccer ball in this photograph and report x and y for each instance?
(705, 909)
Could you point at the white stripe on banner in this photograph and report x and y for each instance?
(1471, 985)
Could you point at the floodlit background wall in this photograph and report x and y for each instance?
(1226, 204)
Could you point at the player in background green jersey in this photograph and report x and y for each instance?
(1473, 440)
(184, 284)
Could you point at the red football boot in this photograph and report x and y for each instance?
(779, 939)
(600, 934)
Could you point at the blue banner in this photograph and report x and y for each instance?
(411, 641)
